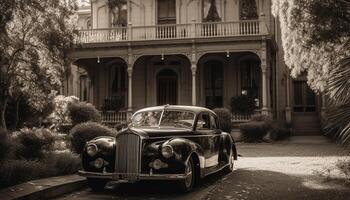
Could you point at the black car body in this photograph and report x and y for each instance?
(181, 143)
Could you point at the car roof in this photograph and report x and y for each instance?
(195, 109)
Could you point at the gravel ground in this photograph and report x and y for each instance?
(287, 170)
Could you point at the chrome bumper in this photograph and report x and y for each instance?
(131, 177)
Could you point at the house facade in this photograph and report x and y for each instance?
(190, 52)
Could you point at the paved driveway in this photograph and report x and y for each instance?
(285, 170)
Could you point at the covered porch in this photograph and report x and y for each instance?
(118, 89)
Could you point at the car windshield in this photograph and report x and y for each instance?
(163, 118)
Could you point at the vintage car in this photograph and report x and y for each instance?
(180, 143)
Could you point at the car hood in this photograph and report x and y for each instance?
(157, 132)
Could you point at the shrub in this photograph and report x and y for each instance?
(60, 114)
(242, 104)
(64, 162)
(83, 112)
(253, 131)
(262, 118)
(31, 143)
(224, 118)
(84, 132)
(5, 145)
(279, 133)
(13, 172)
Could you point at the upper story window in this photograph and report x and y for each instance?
(212, 10)
(119, 10)
(166, 11)
(248, 9)
(88, 24)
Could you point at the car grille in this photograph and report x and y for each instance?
(128, 154)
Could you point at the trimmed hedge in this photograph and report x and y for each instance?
(254, 131)
(81, 112)
(224, 118)
(32, 143)
(82, 133)
(13, 172)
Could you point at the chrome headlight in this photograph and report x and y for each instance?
(167, 151)
(91, 150)
(98, 163)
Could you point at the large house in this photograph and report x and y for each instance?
(192, 52)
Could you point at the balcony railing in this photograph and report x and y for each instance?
(174, 31)
(112, 117)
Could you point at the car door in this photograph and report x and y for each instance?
(207, 128)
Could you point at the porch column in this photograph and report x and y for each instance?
(130, 70)
(194, 93)
(265, 90)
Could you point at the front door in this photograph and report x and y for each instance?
(305, 115)
(213, 83)
(167, 87)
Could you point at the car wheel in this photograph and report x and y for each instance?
(96, 185)
(231, 161)
(188, 183)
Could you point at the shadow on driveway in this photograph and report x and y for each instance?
(261, 184)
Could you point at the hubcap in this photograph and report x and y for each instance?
(189, 174)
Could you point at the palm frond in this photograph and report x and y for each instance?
(339, 82)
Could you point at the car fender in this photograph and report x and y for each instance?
(186, 148)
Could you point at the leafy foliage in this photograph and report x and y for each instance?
(33, 143)
(224, 118)
(13, 172)
(60, 115)
(316, 39)
(80, 112)
(242, 104)
(35, 41)
(84, 132)
(315, 36)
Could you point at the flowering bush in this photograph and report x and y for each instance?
(60, 115)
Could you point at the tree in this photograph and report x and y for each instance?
(35, 41)
(315, 36)
(316, 40)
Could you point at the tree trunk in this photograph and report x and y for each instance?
(3, 105)
(15, 123)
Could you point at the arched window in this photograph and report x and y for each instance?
(214, 84)
(248, 9)
(119, 14)
(88, 24)
(250, 79)
(166, 11)
(167, 87)
(211, 10)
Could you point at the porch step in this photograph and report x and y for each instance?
(306, 124)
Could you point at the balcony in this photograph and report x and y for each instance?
(175, 31)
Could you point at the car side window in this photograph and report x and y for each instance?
(203, 122)
(213, 124)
